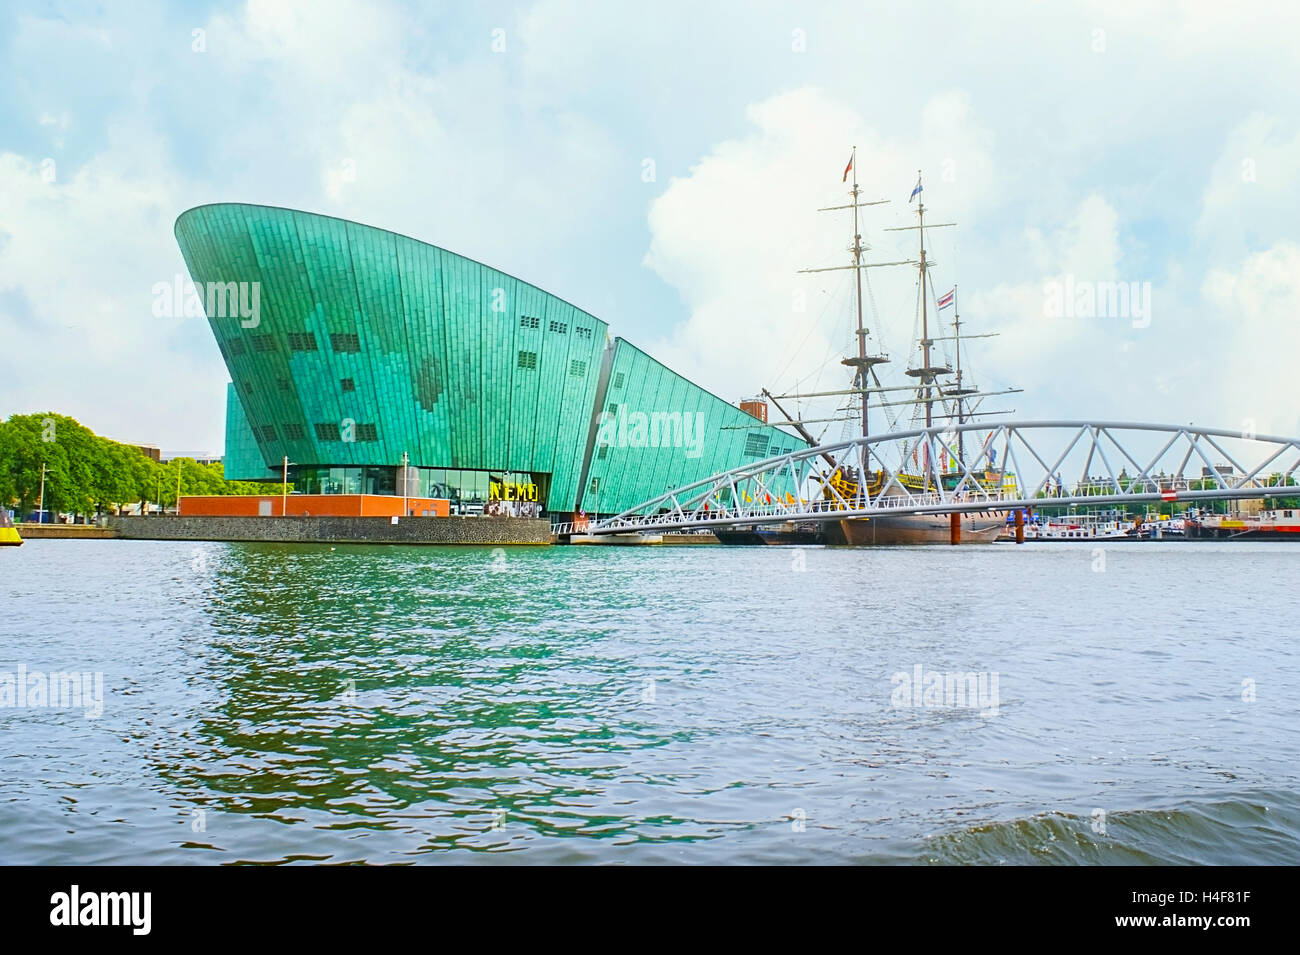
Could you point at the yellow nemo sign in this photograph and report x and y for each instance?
(504, 491)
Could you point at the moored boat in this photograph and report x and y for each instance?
(939, 393)
(1277, 524)
(774, 534)
(935, 469)
(1083, 527)
(1167, 528)
(980, 528)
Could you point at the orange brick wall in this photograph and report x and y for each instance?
(315, 505)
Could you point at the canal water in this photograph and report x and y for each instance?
(1047, 703)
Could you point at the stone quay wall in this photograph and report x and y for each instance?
(337, 530)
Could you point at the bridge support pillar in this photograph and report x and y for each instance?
(954, 528)
(1020, 525)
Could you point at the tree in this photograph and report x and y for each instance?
(86, 473)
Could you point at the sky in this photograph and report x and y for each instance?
(661, 166)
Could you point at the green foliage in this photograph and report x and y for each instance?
(85, 473)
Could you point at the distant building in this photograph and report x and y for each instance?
(197, 459)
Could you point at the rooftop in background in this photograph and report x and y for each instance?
(201, 460)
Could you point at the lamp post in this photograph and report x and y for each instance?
(405, 463)
(284, 488)
(178, 487)
(40, 508)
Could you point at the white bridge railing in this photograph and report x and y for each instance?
(1013, 465)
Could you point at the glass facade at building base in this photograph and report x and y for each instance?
(498, 493)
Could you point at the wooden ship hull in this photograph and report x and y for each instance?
(918, 529)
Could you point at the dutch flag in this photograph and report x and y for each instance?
(948, 299)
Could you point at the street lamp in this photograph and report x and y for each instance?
(406, 459)
(284, 488)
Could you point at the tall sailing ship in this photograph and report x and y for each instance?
(939, 392)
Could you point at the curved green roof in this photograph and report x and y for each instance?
(365, 344)
(368, 344)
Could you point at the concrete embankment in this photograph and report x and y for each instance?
(337, 530)
(634, 539)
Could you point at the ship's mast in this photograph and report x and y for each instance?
(927, 378)
(926, 389)
(961, 413)
(964, 392)
(862, 362)
(927, 372)
(799, 427)
(862, 376)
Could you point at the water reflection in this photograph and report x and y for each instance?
(279, 703)
(416, 689)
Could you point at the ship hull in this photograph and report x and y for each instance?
(918, 529)
(760, 535)
(1201, 532)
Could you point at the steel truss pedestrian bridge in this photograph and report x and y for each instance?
(975, 467)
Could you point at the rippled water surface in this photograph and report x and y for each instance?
(278, 703)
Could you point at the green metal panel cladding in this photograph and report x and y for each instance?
(367, 344)
(243, 459)
(349, 345)
(657, 431)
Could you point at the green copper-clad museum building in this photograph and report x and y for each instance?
(365, 346)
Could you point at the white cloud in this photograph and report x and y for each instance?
(1251, 198)
(78, 261)
(1054, 159)
(732, 235)
(1086, 248)
(1255, 336)
(304, 105)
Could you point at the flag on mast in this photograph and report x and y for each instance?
(847, 168)
(947, 300)
(917, 189)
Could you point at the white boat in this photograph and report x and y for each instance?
(1166, 529)
(1082, 527)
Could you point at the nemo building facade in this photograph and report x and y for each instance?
(378, 364)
